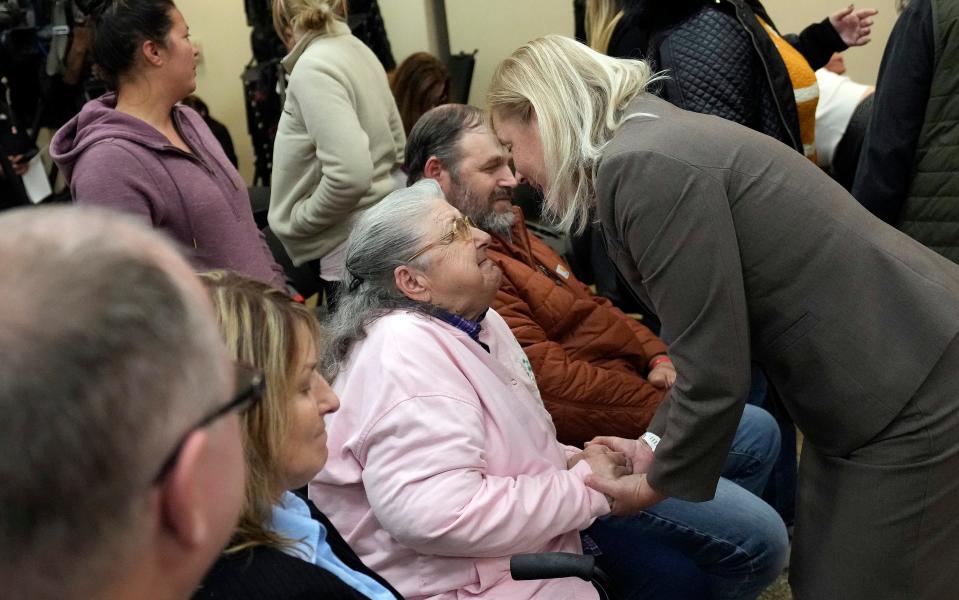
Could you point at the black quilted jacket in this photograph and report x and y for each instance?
(720, 61)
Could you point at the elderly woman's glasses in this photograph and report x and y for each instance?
(249, 386)
(462, 230)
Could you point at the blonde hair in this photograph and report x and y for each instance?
(602, 16)
(579, 97)
(260, 326)
(300, 16)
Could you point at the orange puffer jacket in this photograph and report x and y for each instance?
(588, 356)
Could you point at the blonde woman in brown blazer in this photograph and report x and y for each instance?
(746, 251)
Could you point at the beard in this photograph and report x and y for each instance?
(480, 210)
(497, 223)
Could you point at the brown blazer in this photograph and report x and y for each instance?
(747, 251)
(589, 358)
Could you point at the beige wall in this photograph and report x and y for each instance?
(791, 16)
(409, 27)
(219, 28)
(494, 27)
(497, 27)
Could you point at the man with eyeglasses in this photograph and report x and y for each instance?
(120, 450)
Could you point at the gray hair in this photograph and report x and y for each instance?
(383, 238)
(106, 361)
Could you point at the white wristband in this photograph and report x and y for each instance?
(651, 439)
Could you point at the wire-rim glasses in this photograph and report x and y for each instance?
(462, 230)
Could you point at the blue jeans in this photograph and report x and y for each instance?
(737, 541)
(641, 567)
(754, 450)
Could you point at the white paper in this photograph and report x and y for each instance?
(35, 181)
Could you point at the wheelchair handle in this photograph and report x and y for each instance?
(552, 565)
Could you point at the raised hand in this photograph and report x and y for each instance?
(853, 26)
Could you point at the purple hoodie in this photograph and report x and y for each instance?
(114, 160)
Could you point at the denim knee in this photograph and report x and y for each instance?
(754, 450)
(736, 538)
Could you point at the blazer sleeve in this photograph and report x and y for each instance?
(342, 148)
(675, 225)
(428, 485)
(585, 400)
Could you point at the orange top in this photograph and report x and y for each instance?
(806, 89)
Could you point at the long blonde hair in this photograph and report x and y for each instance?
(578, 96)
(260, 325)
(300, 16)
(602, 16)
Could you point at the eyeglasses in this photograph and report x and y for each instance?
(462, 230)
(249, 386)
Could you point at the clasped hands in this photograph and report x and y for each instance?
(619, 471)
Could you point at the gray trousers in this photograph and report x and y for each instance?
(883, 522)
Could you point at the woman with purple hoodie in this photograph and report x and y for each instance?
(139, 151)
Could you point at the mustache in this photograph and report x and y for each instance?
(501, 194)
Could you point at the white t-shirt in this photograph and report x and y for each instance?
(838, 98)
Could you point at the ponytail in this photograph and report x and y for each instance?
(291, 17)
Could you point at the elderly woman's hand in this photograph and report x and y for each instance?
(637, 451)
(853, 26)
(631, 493)
(607, 463)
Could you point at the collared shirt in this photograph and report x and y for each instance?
(291, 519)
(467, 326)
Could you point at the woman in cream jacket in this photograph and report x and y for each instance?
(340, 138)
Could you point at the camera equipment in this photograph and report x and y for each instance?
(37, 89)
(264, 81)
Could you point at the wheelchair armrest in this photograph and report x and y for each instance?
(552, 565)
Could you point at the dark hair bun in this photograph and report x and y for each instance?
(121, 28)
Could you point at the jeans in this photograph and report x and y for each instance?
(736, 540)
(754, 450)
(643, 567)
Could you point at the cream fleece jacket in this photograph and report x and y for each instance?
(339, 139)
